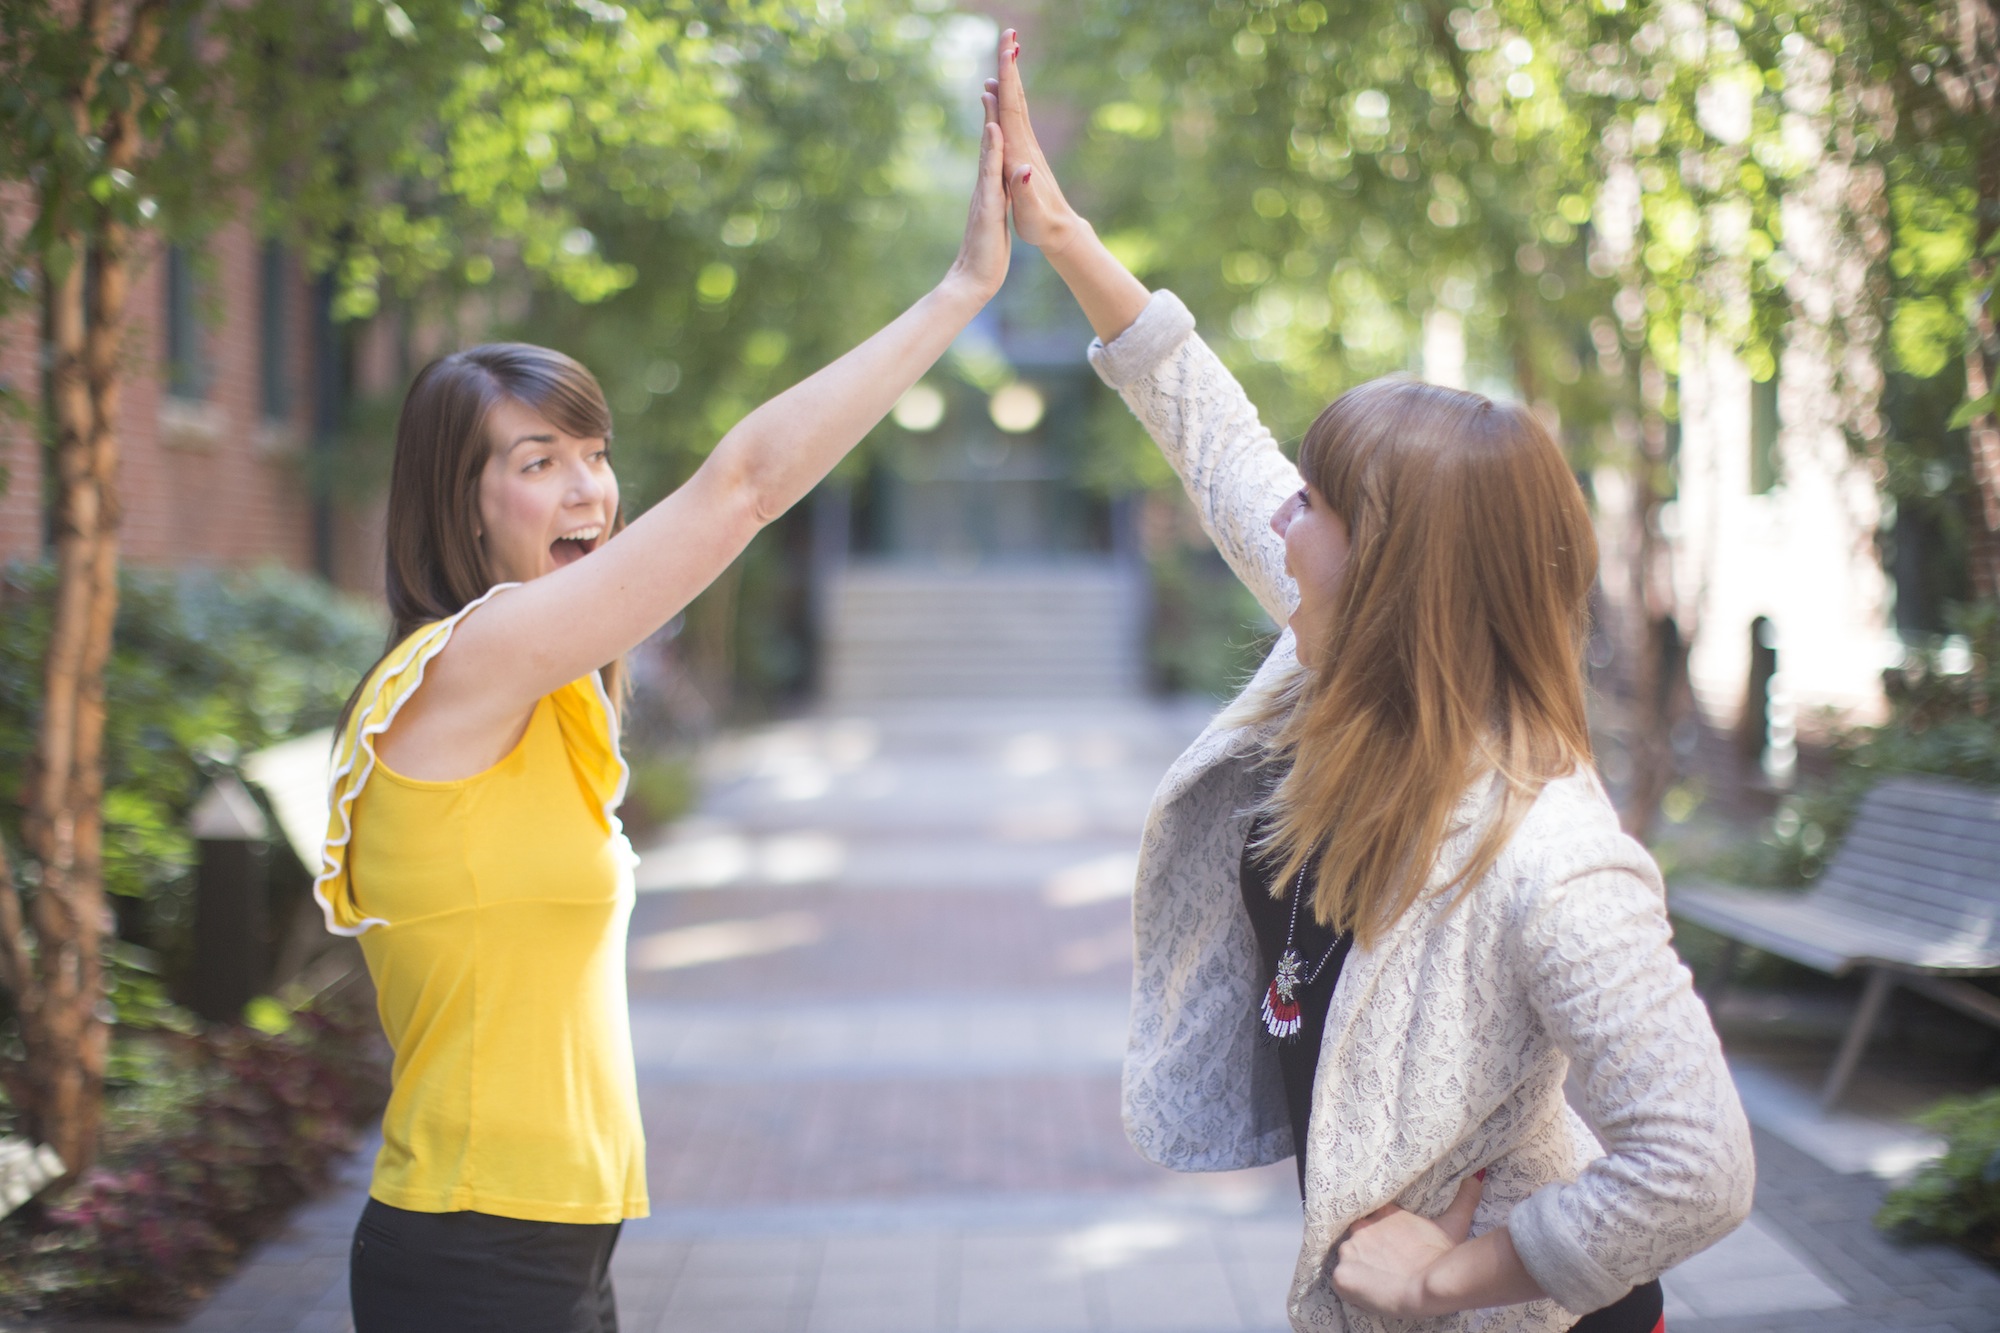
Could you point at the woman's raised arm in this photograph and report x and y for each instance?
(1187, 400)
(535, 638)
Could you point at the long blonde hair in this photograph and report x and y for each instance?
(1455, 649)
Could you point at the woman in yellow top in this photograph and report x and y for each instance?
(472, 844)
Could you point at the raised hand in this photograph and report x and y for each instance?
(1110, 296)
(1042, 216)
(982, 256)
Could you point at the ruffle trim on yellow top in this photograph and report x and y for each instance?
(396, 679)
(589, 725)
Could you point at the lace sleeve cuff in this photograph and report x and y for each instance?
(1555, 1259)
(1150, 339)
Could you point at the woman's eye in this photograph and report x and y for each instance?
(1305, 500)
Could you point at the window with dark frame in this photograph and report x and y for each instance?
(274, 318)
(187, 358)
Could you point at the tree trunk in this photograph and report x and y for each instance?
(57, 982)
(1979, 56)
(51, 959)
(1983, 441)
(1659, 648)
(1981, 352)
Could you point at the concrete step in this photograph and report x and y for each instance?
(1069, 630)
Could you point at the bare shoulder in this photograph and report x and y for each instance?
(448, 727)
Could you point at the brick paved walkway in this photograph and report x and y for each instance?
(878, 1001)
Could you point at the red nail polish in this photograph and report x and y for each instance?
(1026, 174)
(1480, 1174)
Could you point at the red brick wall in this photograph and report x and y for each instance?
(231, 493)
(226, 487)
(20, 374)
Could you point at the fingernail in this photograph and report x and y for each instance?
(1025, 174)
(1480, 1174)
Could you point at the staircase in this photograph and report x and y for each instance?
(1043, 631)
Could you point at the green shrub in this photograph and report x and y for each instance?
(661, 789)
(1956, 1197)
(218, 1136)
(1207, 634)
(205, 667)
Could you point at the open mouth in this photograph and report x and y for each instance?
(573, 546)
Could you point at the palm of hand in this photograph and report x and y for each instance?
(984, 252)
(1042, 217)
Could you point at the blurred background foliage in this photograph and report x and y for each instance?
(839, 199)
(1318, 176)
(705, 201)
(207, 667)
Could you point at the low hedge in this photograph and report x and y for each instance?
(1956, 1197)
(202, 1159)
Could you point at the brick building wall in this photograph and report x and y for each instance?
(207, 477)
(20, 492)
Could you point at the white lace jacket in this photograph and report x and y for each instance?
(1447, 1043)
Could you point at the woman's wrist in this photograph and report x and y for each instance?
(961, 288)
(1483, 1271)
(1432, 1290)
(1110, 296)
(1064, 234)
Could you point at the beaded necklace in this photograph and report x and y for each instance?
(1281, 1003)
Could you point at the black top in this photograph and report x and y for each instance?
(1274, 920)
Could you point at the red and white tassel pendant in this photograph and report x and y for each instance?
(1281, 1005)
(1281, 1016)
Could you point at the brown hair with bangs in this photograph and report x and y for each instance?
(435, 563)
(1455, 650)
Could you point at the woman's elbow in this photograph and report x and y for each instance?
(1740, 1169)
(748, 498)
(1719, 1184)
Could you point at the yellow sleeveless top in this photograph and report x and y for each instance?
(492, 911)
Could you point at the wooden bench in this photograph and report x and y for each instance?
(1912, 895)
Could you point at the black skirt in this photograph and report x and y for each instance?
(476, 1273)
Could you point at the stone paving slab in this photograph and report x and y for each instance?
(969, 1036)
(1828, 1218)
(728, 1143)
(876, 946)
(728, 856)
(1841, 1139)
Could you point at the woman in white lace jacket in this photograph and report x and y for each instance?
(1445, 1178)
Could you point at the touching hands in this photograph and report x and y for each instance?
(1385, 1262)
(982, 256)
(1042, 217)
